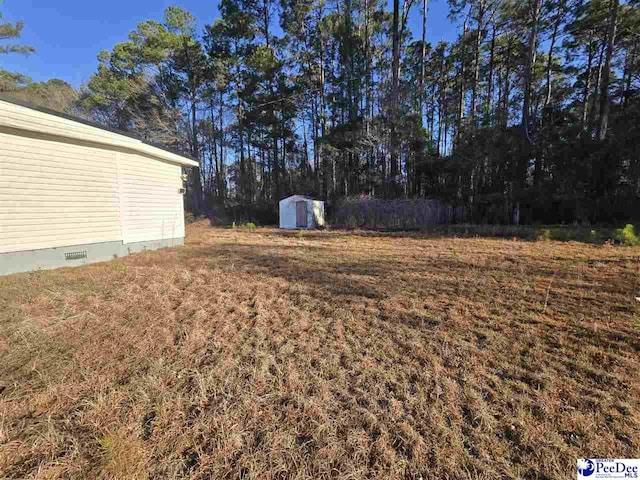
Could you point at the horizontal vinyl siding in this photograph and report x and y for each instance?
(34, 122)
(22, 117)
(55, 194)
(151, 205)
(34, 214)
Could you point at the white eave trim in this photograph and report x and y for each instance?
(114, 140)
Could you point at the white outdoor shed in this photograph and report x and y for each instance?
(299, 211)
(72, 192)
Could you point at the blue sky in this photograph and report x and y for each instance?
(68, 34)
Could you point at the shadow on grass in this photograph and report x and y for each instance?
(504, 288)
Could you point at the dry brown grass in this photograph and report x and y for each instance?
(278, 355)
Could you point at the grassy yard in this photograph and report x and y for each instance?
(278, 355)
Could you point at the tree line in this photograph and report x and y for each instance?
(529, 115)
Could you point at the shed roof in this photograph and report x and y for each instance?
(140, 145)
(300, 196)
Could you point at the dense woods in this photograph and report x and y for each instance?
(530, 115)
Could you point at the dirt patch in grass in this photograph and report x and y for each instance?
(272, 355)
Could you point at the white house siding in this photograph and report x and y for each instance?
(152, 205)
(64, 183)
(55, 194)
(19, 117)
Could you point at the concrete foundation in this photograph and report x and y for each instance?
(76, 255)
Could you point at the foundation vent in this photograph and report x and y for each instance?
(75, 255)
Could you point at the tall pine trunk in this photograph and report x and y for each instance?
(554, 36)
(222, 177)
(532, 44)
(423, 57)
(601, 132)
(587, 85)
(461, 86)
(476, 61)
(196, 192)
(593, 102)
(546, 114)
(395, 99)
(489, 99)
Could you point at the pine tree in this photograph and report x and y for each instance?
(11, 31)
(530, 109)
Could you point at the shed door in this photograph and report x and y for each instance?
(301, 214)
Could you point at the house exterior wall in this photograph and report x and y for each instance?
(47, 258)
(54, 194)
(28, 119)
(31, 120)
(151, 206)
(58, 193)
